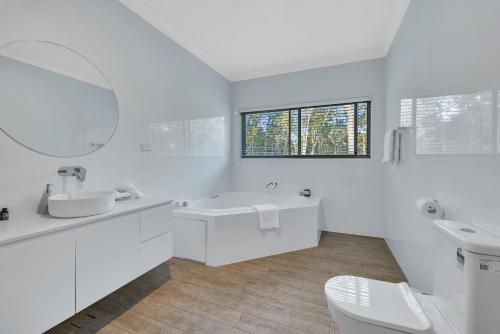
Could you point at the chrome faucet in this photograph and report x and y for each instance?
(79, 172)
(271, 185)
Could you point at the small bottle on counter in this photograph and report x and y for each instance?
(306, 193)
(4, 214)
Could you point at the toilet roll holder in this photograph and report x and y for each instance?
(430, 207)
(432, 210)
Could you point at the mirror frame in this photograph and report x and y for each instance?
(91, 64)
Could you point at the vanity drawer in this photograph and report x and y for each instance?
(156, 251)
(155, 222)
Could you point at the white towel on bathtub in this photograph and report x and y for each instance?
(269, 216)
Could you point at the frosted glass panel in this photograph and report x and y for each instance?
(461, 124)
(498, 123)
(406, 114)
(169, 138)
(206, 137)
(203, 137)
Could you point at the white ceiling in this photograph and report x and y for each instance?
(243, 39)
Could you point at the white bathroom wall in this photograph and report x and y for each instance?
(443, 47)
(351, 188)
(156, 82)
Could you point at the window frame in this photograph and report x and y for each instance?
(316, 156)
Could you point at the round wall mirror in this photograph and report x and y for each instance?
(53, 100)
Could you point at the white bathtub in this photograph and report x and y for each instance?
(225, 229)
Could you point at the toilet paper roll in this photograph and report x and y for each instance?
(430, 207)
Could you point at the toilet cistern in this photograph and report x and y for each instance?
(78, 171)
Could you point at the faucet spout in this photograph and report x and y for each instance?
(81, 174)
(78, 171)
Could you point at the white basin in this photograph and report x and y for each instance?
(81, 204)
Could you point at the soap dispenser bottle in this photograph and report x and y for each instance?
(4, 214)
(43, 205)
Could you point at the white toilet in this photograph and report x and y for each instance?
(466, 285)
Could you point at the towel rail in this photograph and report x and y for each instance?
(398, 139)
(403, 128)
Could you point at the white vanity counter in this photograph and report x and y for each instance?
(54, 268)
(23, 225)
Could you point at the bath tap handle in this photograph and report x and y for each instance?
(271, 185)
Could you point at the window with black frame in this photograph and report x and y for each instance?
(327, 131)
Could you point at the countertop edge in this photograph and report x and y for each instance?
(121, 209)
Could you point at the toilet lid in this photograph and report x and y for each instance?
(385, 304)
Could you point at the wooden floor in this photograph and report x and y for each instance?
(277, 294)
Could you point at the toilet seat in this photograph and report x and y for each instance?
(390, 305)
